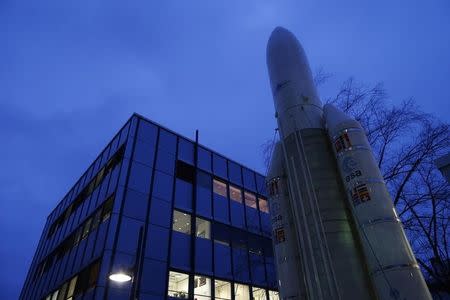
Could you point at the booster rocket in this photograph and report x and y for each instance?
(335, 231)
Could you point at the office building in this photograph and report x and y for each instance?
(157, 216)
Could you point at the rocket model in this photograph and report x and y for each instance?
(335, 231)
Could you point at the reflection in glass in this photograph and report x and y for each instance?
(222, 289)
(250, 200)
(220, 188)
(178, 285)
(202, 287)
(235, 194)
(263, 205)
(241, 292)
(258, 293)
(203, 228)
(181, 222)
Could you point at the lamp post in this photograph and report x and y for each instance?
(126, 274)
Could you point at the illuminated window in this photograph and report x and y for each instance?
(250, 199)
(86, 227)
(273, 295)
(235, 194)
(222, 289)
(258, 293)
(203, 228)
(181, 222)
(220, 188)
(72, 284)
(263, 205)
(178, 285)
(202, 287)
(241, 292)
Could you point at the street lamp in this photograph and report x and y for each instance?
(122, 275)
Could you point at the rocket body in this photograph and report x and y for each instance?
(391, 262)
(336, 234)
(308, 205)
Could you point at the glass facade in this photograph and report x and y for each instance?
(182, 221)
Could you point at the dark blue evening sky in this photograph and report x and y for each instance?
(72, 72)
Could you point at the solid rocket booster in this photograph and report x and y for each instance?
(318, 255)
(391, 263)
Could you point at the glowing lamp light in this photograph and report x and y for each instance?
(120, 277)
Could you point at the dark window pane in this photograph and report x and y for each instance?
(154, 277)
(222, 260)
(204, 159)
(185, 171)
(157, 242)
(180, 251)
(147, 131)
(234, 172)
(186, 150)
(220, 166)
(139, 178)
(183, 194)
(221, 208)
(162, 186)
(160, 212)
(261, 184)
(128, 236)
(240, 264)
(167, 141)
(204, 194)
(144, 152)
(135, 205)
(237, 214)
(203, 256)
(249, 179)
(165, 162)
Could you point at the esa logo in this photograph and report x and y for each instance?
(353, 175)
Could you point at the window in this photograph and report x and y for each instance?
(222, 289)
(235, 194)
(241, 292)
(202, 287)
(273, 295)
(72, 284)
(178, 285)
(203, 228)
(220, 188)
(181, 222)
(263, 205)
(258, 293)
(250, 199)
(86, 227)
(185, 172)
(107, 208)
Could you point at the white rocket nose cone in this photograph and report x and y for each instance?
(334, 116)
(287, 64)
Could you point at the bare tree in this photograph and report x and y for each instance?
(406, 142)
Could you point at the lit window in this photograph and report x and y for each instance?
(220, 188)
(203, 228)
(55, 295)
(222, 289)
(181, 222)
(178, 285)
(235, 194)
(241, 292)
(263, 205)
(202, 287)
(273, 295)
(259, 293)
(72, 284)
(250, 199)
